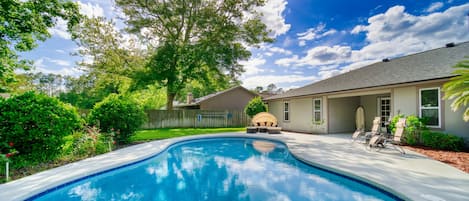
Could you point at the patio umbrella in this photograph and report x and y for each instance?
(360, 118)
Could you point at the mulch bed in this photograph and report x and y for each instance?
(458, 160)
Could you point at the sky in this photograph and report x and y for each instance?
(314, 39)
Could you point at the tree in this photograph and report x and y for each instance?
(255, 106)
(113, 56)
(458, 88)
(25, 22)
(197, 38)
(259, 89)
(271, 88)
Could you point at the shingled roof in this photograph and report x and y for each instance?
(429, 65)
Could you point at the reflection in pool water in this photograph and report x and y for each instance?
(218, 169)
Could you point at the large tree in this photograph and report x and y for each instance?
(198, 39)
(458, 88)
(110, 56)
(25, 22)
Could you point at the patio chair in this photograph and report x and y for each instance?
(358, 134)
(380, 141)
(396, 139)
(374, 129)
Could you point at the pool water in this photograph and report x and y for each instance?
(219, 169)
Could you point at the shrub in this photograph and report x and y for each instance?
(36, 124)
(255, 106)
(117, 114)
(438, 140)
(392, 124)
(414, 127)
(89, 142)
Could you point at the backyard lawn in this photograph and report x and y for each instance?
(164, 133)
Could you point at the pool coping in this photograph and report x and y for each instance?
(30, 186)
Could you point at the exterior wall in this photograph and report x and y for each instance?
(453, 121)
(341, 112)
(405, 101)
(235, 99)
(276, 109)
(301, 115)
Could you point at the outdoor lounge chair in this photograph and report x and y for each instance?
(374, 129)
(380, 141)
(358, 134)
(264, 122)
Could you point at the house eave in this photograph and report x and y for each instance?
(404, 84)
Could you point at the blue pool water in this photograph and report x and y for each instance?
(218, 169)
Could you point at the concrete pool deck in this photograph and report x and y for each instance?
(413, 176)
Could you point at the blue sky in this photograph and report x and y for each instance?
(315, 39)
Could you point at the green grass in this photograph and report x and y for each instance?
(164, 133)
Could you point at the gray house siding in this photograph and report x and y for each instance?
(236, 99)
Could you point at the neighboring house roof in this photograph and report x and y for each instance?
(429, 65)
(198, 101)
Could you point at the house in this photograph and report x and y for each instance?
(407, 85)
(235, 98)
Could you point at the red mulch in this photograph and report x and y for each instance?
(458, 160)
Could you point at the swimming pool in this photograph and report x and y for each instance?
(218, 169)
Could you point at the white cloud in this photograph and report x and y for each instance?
(302, 43)
(287, 61)
(434, 7)
(279, 50)
(328, 73)
(60, 30)
(287, 42)
(272, 16)
(60, 51)
(44, 65)
(397, 33)
(60, 62)
(278, 80)
(314, 33)
(253, 66)
(91, 10)
(321, 55)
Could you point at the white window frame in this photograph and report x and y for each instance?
(286, 111)
(439, 105)
(379, 111)
(314, 110)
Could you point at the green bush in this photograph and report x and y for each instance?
(89, 142)
(394, 120)
(414, 128)
(438, 140)
(255, 106)
(117, 114)
(36, 124)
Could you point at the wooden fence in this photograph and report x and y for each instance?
(195, 119)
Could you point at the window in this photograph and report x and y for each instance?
(286, 111)
(317, 108)
(430, 106)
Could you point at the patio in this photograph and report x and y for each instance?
(414, 176)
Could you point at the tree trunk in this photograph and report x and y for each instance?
(170, 99)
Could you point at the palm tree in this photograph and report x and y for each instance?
(458, 88)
